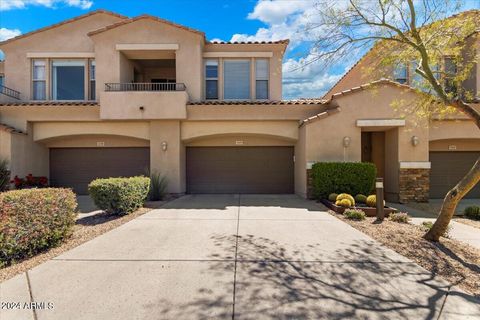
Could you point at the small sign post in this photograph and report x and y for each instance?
(380, 206)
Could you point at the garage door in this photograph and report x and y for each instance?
(240, 169)
(447, 170)
(77, 167)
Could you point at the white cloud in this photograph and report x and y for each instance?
(274, 12)
(8, 33)
(21, 4)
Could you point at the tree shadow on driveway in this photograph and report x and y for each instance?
(270, 284)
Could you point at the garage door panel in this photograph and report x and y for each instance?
(77, 167)
(447, 170)
(240, 169)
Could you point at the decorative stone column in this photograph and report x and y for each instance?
(414, 182)
(309, 184)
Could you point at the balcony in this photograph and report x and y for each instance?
(149, 101)
(7, 94)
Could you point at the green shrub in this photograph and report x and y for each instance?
(354, 214)
(401, 217)
(158, 186)
(342, 196)
(338, 177)
(472, 212)
(343, 203)
(119, 195)
(33, 220)
(4, 175)
(360, 198)
(332, 197)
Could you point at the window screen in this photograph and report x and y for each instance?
(68, 80)
(261, 81)
(236, 79)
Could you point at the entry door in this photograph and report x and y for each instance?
(240, 170)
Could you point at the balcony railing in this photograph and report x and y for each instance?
(144, 86)
(9, 92)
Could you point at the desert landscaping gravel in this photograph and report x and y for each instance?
(452, 260)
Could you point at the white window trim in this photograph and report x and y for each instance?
(267, 78)
(69, 62)
(206, 61)
(34, 80)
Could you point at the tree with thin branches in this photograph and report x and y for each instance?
(419, 33)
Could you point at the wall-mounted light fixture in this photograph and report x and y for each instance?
(164, 145)
(415, 141)
(346, 141)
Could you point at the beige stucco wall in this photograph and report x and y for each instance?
(49, 130)
(28, 156)
(70, 37)
(301, 163)
(200, 129)
(455, 144)
(94, 141)
(235, 140)
(5, 145)
(453, 129)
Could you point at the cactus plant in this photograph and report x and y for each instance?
(372, 201)
(346, 203)
(360, 198)
(333, 197)
(472, 212)
(342, 196)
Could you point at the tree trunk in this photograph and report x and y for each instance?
(450, 202)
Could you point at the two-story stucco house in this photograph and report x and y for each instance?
(106, 95)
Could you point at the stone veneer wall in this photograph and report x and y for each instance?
(414, 185)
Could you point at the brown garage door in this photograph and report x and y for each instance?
(240, 169)
(76, 167)
(447, 170)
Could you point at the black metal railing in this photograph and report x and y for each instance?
(9, 92)
(144, 86)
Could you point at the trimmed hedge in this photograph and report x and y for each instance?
(32, 220)
(342, 177)
(119, 195)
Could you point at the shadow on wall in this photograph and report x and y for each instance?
(274, 284)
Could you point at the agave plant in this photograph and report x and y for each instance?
(158, 185)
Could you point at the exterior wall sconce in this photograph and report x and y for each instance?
(164, 145)
(346, 141)
(415, 141)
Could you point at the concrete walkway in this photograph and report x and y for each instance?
(458, 231)
(241, 257)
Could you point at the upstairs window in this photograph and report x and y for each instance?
(39, 80)
(68, 79)
(92, 93)
(211, 79)
(236, 79)
(450, 70)
(400, 73)
(261, 79)
(2, 80)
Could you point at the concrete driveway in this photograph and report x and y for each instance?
(230, 256)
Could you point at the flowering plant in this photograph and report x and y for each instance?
(29, 182)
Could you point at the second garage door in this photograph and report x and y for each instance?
(447, 170)
(240, 170)
(76, 167)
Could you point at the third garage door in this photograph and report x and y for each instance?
(447, 170)
(240, 169)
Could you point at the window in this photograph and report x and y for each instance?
(236, 79)
(68, 80)
(261, 79)
(39, 80)
(416, 80)
(211, 79)
(2, 79)
(92, 80)
(400, 73)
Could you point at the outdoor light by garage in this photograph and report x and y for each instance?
(164, 145)
(346, 142)
(415, 141)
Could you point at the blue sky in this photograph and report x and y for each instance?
(219, 19)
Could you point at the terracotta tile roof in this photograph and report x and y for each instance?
(91, 13)
(320, 115)
(260, 102)
(284, 41)
(371, 84)
(10, 129)
(49, 103)
(144, 16)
